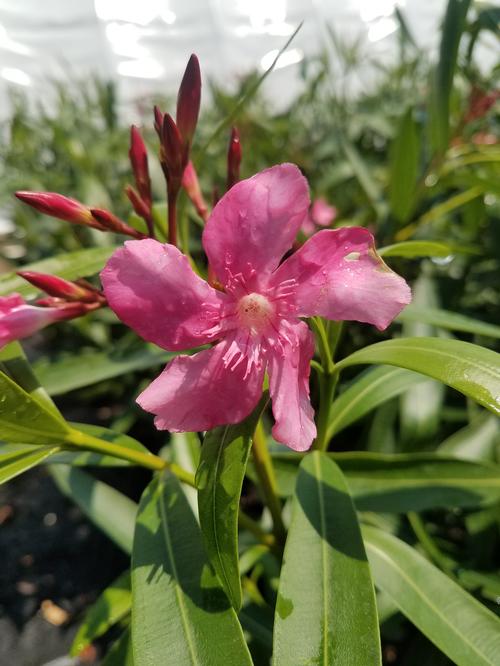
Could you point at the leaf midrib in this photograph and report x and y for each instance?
(425, 598)
(178, 592)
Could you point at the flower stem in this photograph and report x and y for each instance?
(265, 472)
(327, 339)
(82, 440)
(327, 385)
(172, 215)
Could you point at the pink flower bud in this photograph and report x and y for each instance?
(158, 121)
(192, 186)
(188, 102)
(57, 205)
(19, 320)
(233, 158)
(139, 160)
(109, 222)
(60, 288)
(138, 204)
(171, 154)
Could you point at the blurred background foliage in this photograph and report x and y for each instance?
(413, 156)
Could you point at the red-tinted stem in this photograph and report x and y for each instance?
(172, 215)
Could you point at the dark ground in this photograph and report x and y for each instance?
(49, 552)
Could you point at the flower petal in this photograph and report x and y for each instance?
(199, 392)
(340, 276)
(255, 223)
(289, 389)
(152, 289)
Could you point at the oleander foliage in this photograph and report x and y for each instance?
(384, 548)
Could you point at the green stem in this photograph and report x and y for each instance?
(172, 215)
(327, 385)
(88, 442)
(428, 544)
(323, 345)
(267, 479)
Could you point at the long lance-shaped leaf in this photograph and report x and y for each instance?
(442, 84)
(466, 631)
(325, 612)
(180, 614)
(79, 370)
(70, 266)
(414, 249)
(111, 606)
(399, 483)
(25, 419)
(219, 479)
(16, 462)
(404, 159)
(368, 391)
(448, 320)
(110, 510)
(471, 369)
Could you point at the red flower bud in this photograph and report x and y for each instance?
(188, 102)
(139, 159)
(57, 205)
(171, 153)
(60, 288)
(233, 158)
(109, 222)
(192, 186)
(158, 121)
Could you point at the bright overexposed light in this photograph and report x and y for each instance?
(8, 44)
(382, 28)
(145, 68)
(168, 16)
(140, 12)
(264, 17)
(15, 75)
(124, 39)
(290, 57)
(369, 10)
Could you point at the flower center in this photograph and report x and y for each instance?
(254, 312)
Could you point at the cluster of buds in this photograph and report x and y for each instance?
(141, 197)
(176, 137)
(64, 300)
(71, 210)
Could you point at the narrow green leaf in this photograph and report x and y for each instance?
(468, 368)
(465, 630)
(111, 606)
(121, 652)
(16, 462)
(110, 510)
(452, 204)
(363, 175)
(442, 83)
(404, 158)
(180, 614)
(25, 419)
(79, 370)
(448, 320)
(71, 266)
(421, 405)
(219, 479)
(477, 440)
(326, 611)
(398, 483)
(414, 249)
(371, 389)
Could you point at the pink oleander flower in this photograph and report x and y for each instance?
(321, 214)
(255, 323)
(19, 320)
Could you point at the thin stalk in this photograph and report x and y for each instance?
(327, 385)
(172, 215)
(334, 332)
(267, 480)
(88, 442)
(429, 546)
(323, 344)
